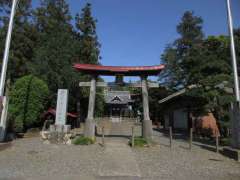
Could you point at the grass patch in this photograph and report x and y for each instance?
(81, 140)
(139, 142)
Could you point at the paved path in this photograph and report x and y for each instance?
(118, 160)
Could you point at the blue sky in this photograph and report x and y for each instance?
(135, 32)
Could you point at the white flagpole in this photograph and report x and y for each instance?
(7, 47)
(233, 51)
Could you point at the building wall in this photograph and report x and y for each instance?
(180, 119)
(166, 121)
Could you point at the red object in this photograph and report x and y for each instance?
(119, 70)
(208, 122)
(53, 112)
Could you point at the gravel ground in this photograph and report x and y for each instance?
(161, 162)
(29, 158)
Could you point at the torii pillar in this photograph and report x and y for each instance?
(89, 129)
(147, 123)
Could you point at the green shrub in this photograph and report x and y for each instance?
(139, 142)
(81, 140)
(27, 101)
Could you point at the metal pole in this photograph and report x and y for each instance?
(233, 52)
(7, 46)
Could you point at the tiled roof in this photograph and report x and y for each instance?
(118, 97)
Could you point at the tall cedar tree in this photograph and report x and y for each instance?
(89, 53)
(89, 50)
(56, 47)
(23, 37)
(190, 31)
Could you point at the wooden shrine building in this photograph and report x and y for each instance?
(119, 71)
(119, 104)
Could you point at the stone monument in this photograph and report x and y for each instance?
(61, 112)
(59, 132)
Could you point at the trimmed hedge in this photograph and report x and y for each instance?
(28, 98)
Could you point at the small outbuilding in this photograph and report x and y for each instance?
(182, 112)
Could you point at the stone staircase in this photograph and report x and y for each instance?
(118, 129)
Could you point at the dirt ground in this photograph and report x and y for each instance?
(31, 159)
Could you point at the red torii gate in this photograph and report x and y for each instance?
(97, 70)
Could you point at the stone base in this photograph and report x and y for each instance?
(232, 153)
(147, 129)
(89, 128)
(57, 134)
(59, 128)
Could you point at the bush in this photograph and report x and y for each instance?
(81, 140)
(139, 142)
(27, 101)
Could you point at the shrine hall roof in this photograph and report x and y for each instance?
(118, 97)
(119, 70)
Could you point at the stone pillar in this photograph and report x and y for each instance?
(235, 125)
(147, 123)
(89, 130)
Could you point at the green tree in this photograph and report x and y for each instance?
(213, 70)
(59, 46)
(28, 98)
(55, 52)
(202, 62)
(237, 42)
(88, 52)
(89, 49)
(176, 55)
(23, 37)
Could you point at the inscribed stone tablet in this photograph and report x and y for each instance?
(62, 102)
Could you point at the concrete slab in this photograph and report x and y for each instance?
(118, 161)
(232, 153)
(119, 178)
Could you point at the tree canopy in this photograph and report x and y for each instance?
(46, 42)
